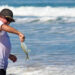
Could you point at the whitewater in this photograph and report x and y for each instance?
(43, 14)
(41, 11)
(50, 70)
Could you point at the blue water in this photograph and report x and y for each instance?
(53, 41)
(49, 27)
(54, 3)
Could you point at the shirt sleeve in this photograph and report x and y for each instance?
(1, 23)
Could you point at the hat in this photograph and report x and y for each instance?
(8, 14)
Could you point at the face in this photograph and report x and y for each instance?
(3, 20)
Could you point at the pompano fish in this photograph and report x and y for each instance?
(24, 47)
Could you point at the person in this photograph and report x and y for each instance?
(6, 17)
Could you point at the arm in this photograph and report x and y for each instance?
(10, 29)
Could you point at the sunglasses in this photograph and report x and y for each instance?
(8, 19)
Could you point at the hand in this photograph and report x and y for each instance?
(22, 37)
(13, 58)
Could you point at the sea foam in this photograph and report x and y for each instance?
(41, 11)
(43, 14)
(48, 70)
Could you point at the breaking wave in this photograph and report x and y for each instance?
(43, 14)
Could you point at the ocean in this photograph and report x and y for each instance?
(49, 28)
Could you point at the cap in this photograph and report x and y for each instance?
(8, 14)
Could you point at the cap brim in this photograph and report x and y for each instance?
(12, 20)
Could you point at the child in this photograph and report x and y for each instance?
(6, 17)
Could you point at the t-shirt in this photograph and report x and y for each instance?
(5, 48)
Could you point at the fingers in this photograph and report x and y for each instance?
(22, 37)
(13, 58)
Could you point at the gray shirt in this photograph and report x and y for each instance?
(5, 48)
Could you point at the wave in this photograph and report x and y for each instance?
(45, 20)
(48, 70)
(49, 14)
(42, 11)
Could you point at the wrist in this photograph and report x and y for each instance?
(19, 33)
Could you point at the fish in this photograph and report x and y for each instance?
(25, 49)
